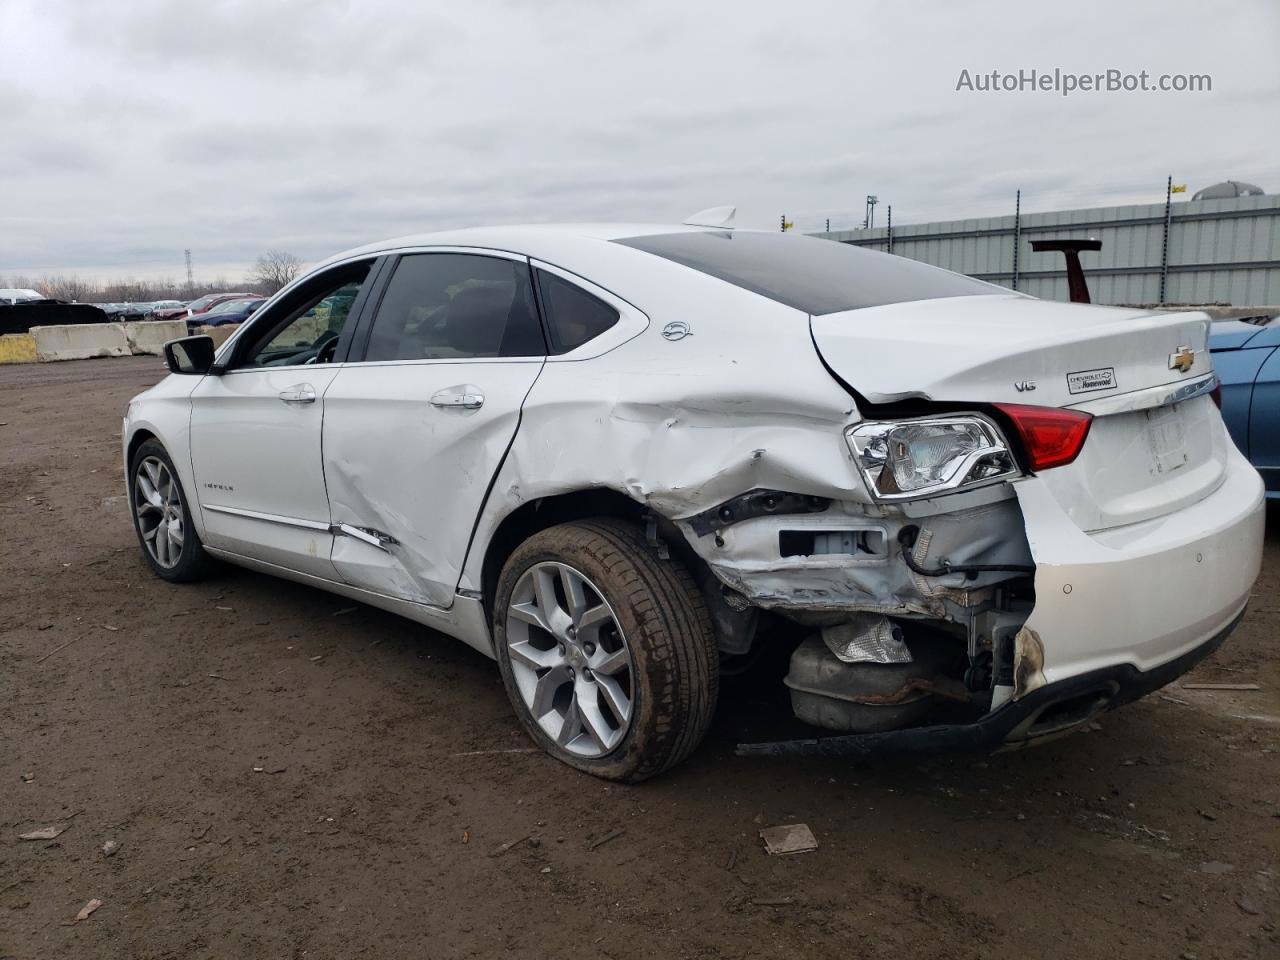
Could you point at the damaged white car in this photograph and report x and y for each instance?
(616, 458)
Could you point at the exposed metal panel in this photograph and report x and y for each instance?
(1219, 251)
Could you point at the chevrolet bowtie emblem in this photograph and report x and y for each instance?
(1182, 360)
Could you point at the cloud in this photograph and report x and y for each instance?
(231, 127)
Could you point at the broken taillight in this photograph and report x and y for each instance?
(1051, 437)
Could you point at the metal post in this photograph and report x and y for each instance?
(890, 233)
(1017, 234)
(784, 223)
(1164, 245)
(828, 224)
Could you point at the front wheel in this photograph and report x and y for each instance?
(162, 517)
(606, 651)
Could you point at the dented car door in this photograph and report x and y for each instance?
(415, 430)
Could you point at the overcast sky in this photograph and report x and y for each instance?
(136, 128)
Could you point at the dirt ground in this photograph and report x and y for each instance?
(289, 775)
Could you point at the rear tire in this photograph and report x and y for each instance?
(645, 650)
(162, 517)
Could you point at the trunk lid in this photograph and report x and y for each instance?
(1007, 349)
(1136, 463)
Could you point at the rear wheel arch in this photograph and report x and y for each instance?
(537, 515)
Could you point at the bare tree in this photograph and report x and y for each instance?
(61, 287)
(273, 270)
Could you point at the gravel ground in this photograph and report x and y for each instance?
(290, 775)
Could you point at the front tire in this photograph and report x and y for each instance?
(606, 651)
(162, 517)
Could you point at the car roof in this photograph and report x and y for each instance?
(530, 239)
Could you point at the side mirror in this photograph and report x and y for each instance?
(190, 355)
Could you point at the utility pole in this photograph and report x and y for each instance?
(784, 223)
(889, 235)
(828, 224)
(870, 220)
(190, 282)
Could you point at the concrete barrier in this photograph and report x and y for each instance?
(80, 341)
(221, 333)
(150, 336)
(17, 348)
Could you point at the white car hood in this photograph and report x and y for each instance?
(1008, 349)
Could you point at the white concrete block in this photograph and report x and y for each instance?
(80, 341)
(221, 333)
(150, 336)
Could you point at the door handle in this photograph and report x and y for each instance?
(467, 397)
(299, 393)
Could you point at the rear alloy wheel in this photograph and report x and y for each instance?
(161, 517)
(606, 650)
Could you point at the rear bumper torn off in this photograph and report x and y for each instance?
(1045, 712)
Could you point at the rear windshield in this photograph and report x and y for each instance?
(816, 276)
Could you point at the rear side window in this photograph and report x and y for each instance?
(816, 276)
(573, 316)
(454, 306)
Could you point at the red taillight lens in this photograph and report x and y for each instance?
(1051, 437)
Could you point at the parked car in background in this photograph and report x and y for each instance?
(201, 305)
(618, 459)
(226, 312)
(161, 306)
(11, 295)
(1246, 356)
(133, 311)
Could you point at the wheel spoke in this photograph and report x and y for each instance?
(572, 725)
(574, 593)
(530, 656)
(152, 469)
(175, 534)
(610, 663)
(612, 694)
(544, 693)
(594, 618)
(530, 614)
(593, 719)
(162, 545)
(544, 589)
(148, 490)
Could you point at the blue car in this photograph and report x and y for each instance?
(229, 311)
(1246, 356)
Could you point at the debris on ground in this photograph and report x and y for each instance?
(58, 649)
(112, 628)
(504, 847)
(344, 611)
(774, 901)
(788, 838)
(44, 833)
(27, 777)
(1220, 686)
(87, 909)
(1249, 907)
(111, 848)
(613, 835)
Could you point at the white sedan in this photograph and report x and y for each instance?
(622, 460)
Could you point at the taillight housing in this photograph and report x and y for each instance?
(928, 456)
(1051, 436)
